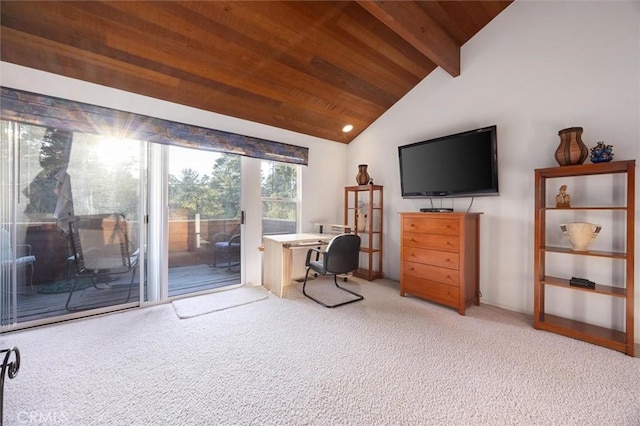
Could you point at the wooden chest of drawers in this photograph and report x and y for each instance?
(439, 255)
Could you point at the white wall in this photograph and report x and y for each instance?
(327, 159)
(537, 68)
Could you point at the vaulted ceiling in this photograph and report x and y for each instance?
(310, 67)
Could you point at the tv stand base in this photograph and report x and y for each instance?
(436, 210)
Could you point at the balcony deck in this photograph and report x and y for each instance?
(35, 304)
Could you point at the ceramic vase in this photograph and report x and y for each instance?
(571, 149)
(580, 234)
(362, 177)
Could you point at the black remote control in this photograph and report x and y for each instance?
(581, 282)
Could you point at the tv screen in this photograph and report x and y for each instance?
(460, 165)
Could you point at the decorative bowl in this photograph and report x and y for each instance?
(580, 234)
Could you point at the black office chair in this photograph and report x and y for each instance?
(341, 256)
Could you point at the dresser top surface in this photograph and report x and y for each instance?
(439, 214)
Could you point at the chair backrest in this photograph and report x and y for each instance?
(100, 242)
(343, 254)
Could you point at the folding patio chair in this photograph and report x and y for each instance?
(101, 252)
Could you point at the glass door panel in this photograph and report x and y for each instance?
(204, 223)
(63, 176)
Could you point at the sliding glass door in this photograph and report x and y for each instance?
(204, 220)
(53, 181)
(57, 177)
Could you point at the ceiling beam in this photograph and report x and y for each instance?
(413, 24)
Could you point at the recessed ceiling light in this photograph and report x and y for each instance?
(347, 128)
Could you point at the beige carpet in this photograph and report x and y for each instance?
(191, 307)
(386, 360)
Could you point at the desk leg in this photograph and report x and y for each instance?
(287, 260)
(272, 267)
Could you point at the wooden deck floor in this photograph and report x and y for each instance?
(36, 304)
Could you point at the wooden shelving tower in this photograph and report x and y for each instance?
(620, 340)
(366, 199)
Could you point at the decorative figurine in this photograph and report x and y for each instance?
(601, 153)
(563, 200)
(361, 222)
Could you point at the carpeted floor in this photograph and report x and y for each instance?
(386, 360)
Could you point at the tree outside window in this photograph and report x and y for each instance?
(214, 196)
(279, 198)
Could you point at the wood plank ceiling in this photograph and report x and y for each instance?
(310, 67)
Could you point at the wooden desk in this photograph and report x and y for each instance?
(278, 257)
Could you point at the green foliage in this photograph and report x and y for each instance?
(214, 197)
(279, 191)
(279, 182)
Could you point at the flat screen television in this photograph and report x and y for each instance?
(460, 165)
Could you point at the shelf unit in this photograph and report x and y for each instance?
(366, 200)
(620, 340)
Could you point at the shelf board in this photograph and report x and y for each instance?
(619, 208)
(364, 188)
(600, 289)
(598, 253)
(613, 339)
(369, 250)
(587, 169)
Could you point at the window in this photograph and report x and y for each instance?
(280, 200)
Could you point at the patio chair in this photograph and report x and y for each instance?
(24, 258)
(341, 256)
(225, 250)
(100, 246)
